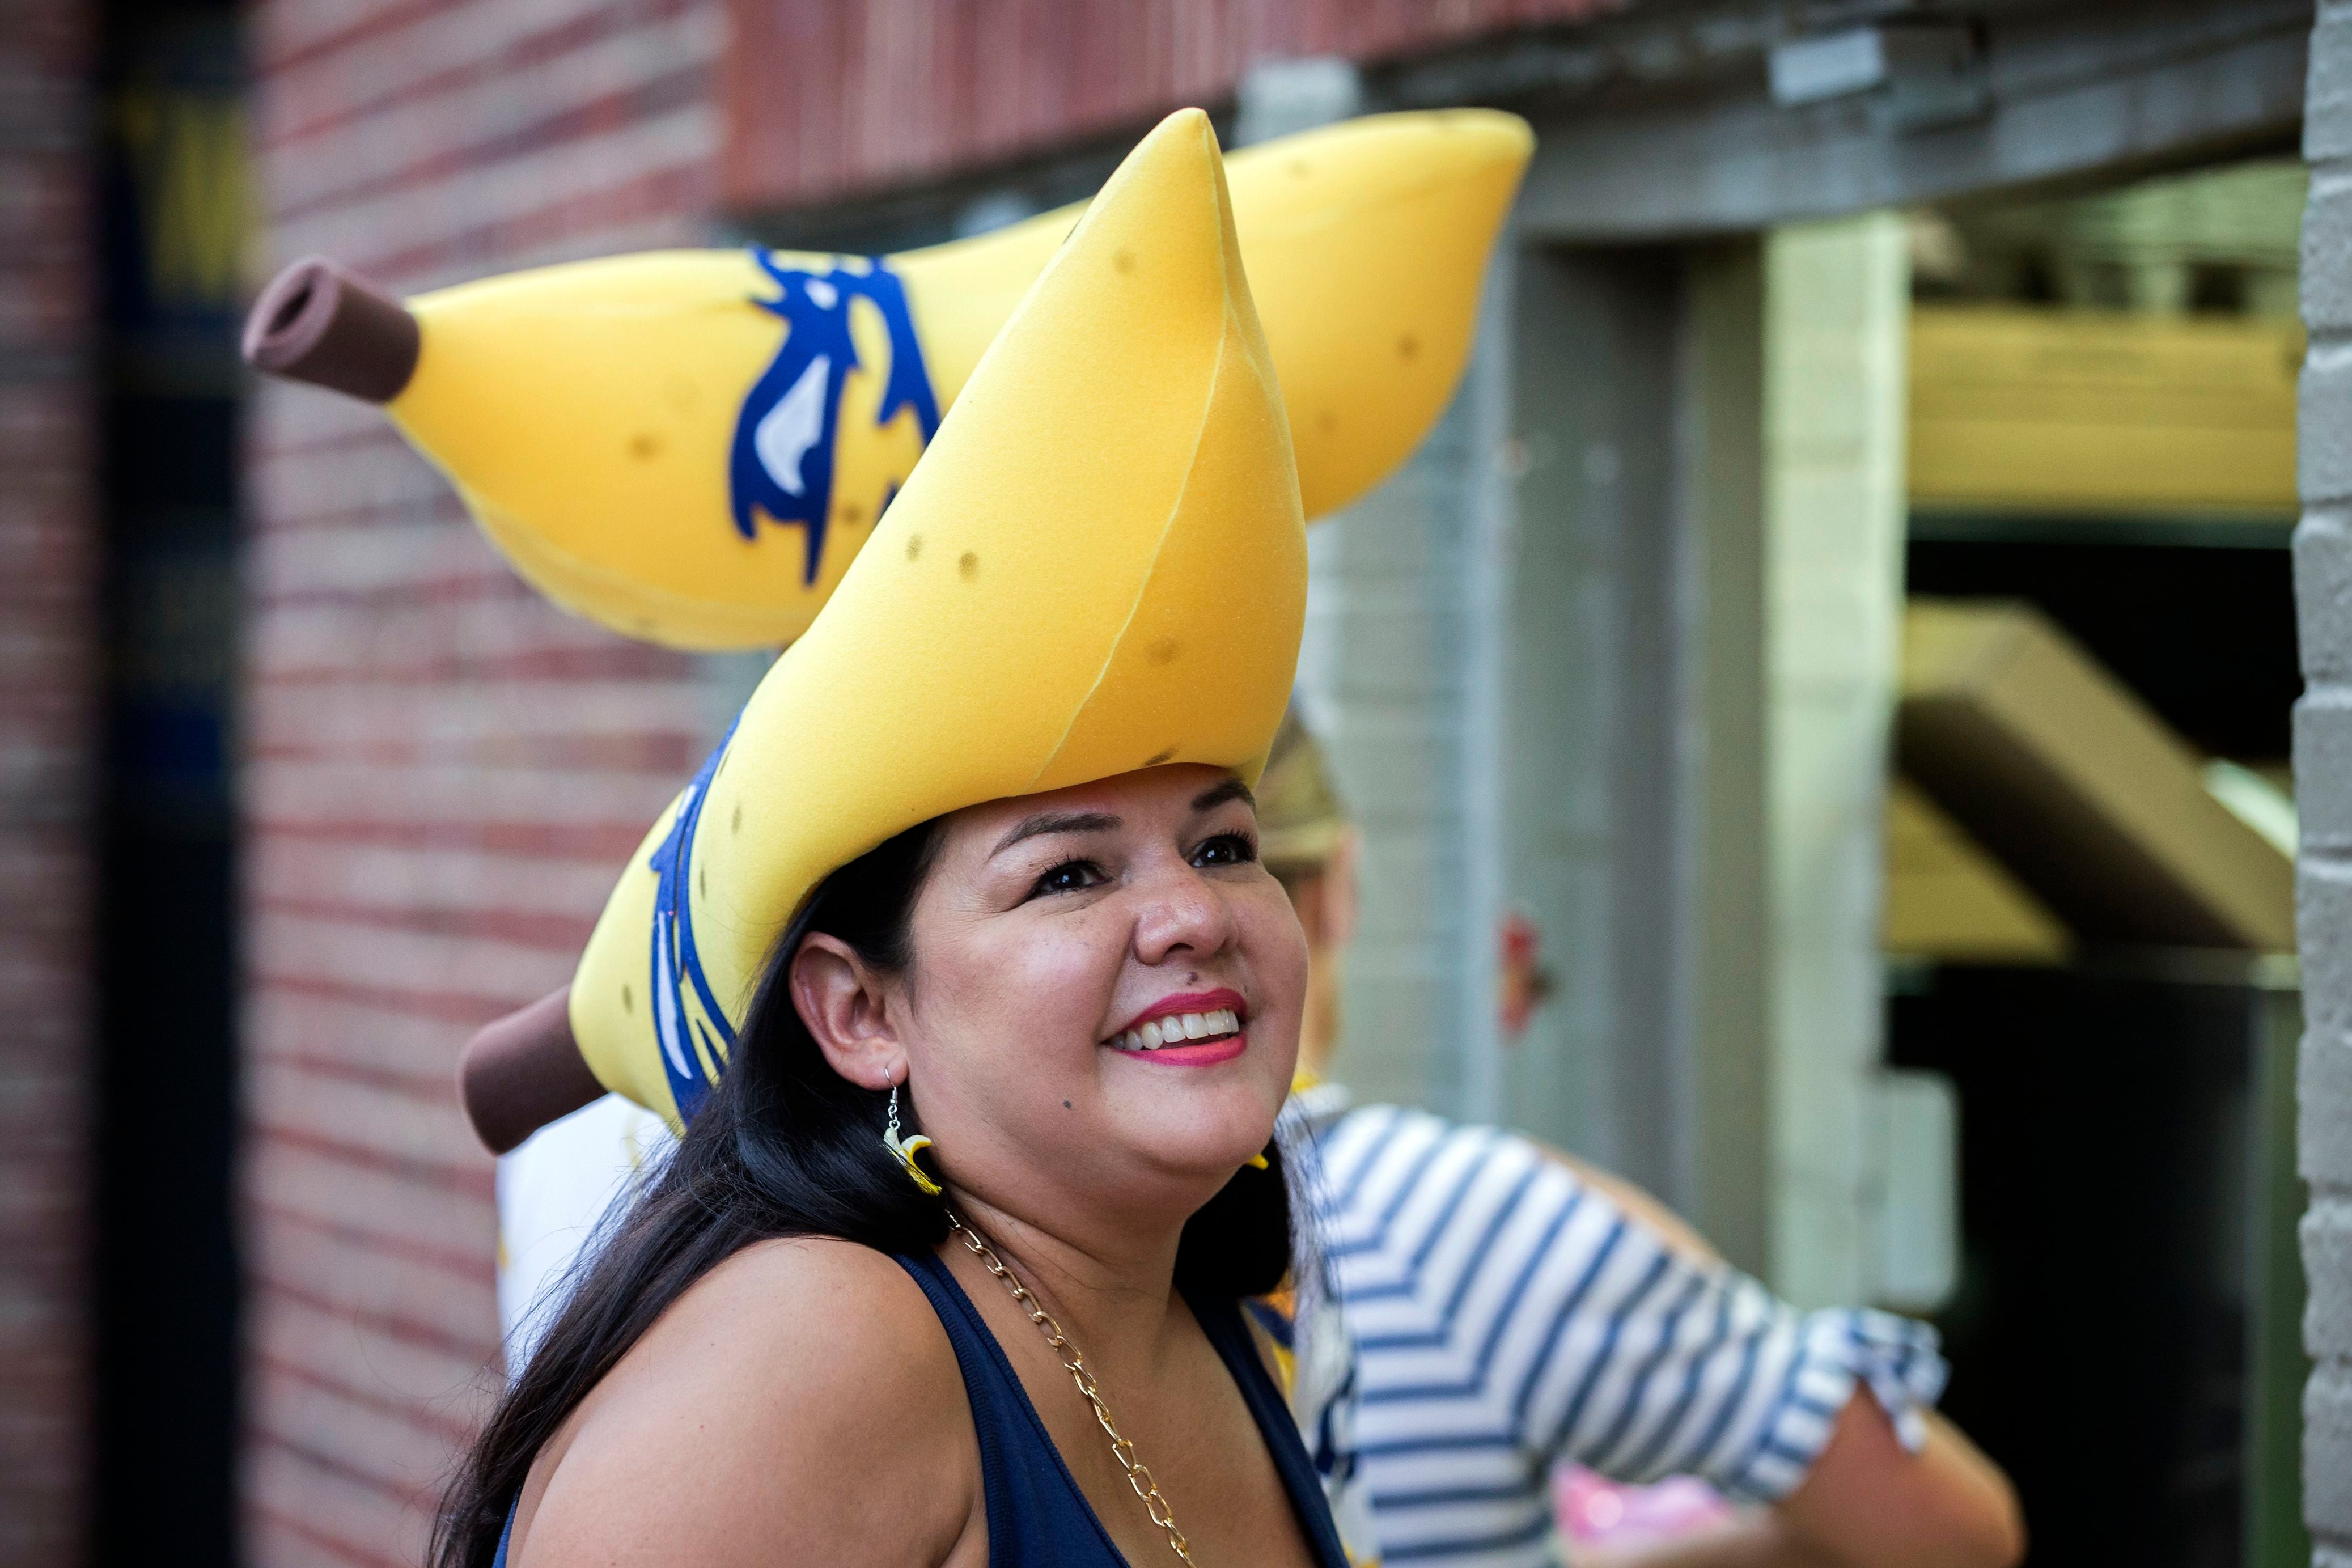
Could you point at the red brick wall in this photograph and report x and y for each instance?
(827, 98)
(441, 773)
(48, 630)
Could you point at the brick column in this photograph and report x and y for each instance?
(48, 633)
(2323, 772)
(441, 773)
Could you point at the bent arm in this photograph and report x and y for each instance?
(1867, 1502)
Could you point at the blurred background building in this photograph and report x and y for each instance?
(1819, 706)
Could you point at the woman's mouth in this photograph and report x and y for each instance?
(1187, 1030)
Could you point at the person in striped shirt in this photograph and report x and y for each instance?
(1509, 1309)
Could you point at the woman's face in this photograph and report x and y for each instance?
(1106, 989)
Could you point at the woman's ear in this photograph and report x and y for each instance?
(847, 1009)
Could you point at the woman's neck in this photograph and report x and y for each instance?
(1112, 1290)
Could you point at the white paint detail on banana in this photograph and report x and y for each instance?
(792, 426)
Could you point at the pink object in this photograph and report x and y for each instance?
(1597, 1512)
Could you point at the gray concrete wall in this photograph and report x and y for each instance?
(1396, 676)
(1633, 758)
(2323, 772)
(1591, 791)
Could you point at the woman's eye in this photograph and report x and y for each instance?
(1069, 876)
(1225, 850)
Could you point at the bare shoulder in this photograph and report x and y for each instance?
(802, 1391)
(779, 1302)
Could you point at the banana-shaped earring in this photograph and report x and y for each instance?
(905, 1148)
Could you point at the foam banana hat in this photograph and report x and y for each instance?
(690, 447)
(1098, 566)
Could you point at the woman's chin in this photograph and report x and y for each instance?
(1197, 1145)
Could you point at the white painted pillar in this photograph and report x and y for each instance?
(1837, 304)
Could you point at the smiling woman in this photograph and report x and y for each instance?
(946, 1267)
(996, 956)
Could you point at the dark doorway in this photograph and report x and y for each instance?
(2107, 1338)
(176, 216)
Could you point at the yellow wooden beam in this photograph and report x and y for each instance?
(2087, 412)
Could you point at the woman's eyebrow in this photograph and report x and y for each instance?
(1216, 795)
(1054, 822)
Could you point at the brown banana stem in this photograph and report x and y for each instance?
(523, 1071)
(321, 323)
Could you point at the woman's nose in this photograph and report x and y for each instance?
(1181, 912)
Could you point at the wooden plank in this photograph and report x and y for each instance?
(2085, 795)
(1949, 901)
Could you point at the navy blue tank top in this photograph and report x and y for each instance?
(1037, 1518)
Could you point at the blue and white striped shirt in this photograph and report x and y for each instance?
(1506, 1315)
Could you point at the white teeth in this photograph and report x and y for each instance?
(1171, 1031)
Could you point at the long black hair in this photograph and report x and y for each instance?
(785, 1146)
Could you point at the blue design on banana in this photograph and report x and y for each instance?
(686, 1013)
(782, 460)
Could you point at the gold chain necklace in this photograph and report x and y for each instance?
(1074, 1362)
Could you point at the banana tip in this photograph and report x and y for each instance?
(1503, 134)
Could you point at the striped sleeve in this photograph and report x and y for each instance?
(1666, 1365)
(1835, 1352)
(1507, 1316)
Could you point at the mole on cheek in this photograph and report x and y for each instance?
(1066, 1105)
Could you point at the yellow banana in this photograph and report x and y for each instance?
(690, 447)
(1099, 567)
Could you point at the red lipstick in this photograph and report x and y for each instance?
(1203, 1054)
